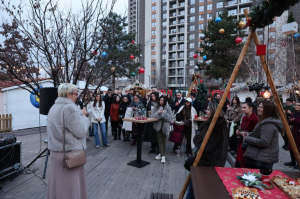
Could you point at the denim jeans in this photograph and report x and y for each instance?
(103, 133)
(91, 132)
(190, 191)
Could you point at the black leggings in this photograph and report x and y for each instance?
(264, 167)
(116, 129)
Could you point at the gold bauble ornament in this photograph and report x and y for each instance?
(113, 69)
(242, 24)
(221, 31)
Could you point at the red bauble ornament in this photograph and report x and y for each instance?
(201, 81)
(238, 40)
(142, 70)
(131, 57)
(132, 41)
(261, 50)
(95, 52)
(195, 55)
(249, 22)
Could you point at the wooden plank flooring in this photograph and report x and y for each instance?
(107, 173)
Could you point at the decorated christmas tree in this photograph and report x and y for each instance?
(201, 93)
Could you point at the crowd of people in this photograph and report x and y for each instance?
(247, 129)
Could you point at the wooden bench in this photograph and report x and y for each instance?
(161, 196)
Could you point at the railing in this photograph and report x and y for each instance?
(5, 123)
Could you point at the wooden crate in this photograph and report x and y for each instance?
(5, 123)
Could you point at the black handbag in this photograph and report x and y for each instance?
(189, 162)
(244, 145)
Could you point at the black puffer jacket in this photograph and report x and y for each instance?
(216, 149)
(263, 143)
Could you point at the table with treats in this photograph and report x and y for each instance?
(223, 182)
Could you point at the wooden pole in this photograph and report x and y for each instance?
(278, 103)
(219, 109)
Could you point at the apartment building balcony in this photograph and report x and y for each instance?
(231, 4)
(245, 2)
(181, 4)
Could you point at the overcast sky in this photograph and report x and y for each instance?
(120, 7)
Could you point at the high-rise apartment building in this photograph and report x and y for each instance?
(169, 30)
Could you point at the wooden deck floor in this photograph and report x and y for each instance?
(107, 173)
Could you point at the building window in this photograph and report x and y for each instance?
(192, 45)
(164, 7)
(152, 48)
(153, 41)
(164, 1)
(209, 16)
(181, 29)
(163, 56)
(191, 36)
(163, 64)
(164, 24)
(164, 32)
(192, 19)
(153, 72)
(153, 65)
(192, 2)
(153, 8)
(181, 64)
(201, 17)
(272, 34)
(191, 54)
(192, 28)
(232, 2)
(219, 13)
(201, 8)
(181, 12)
(181, 38)
(181, 55)
(164, 48)
(232, 12)
(220, 4)
(164, 16)
(152, 80)
(181, 46)
(201, 26)
(209, 7)
(192, 62)
(200, 1)
(272, 45)
(180, 80)
(153, 24)
(153, 32)
(192, 10)
(153, 16)
(164, 40)
(153, 1)
(153, 56)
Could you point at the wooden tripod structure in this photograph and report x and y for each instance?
(252, 35)
(195, 82)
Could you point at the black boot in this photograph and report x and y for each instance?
(119, 133)
(292, 162)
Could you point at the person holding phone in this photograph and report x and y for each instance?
(162, 111)
(248, 123)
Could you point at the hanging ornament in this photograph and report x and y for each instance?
(201, 81)
(195, 55)
(113, 69)
(131, 57)
(132, 41)
(297, 35)
(104, 54)
(204, 57)
(202, 37)
(221, 31)
(249, 22)
(133, 74)
(238, 40)
(261, 50)
(142, 70)
(242, 24)
(218, 19)
(95, 52)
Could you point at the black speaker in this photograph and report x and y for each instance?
(47, 99)
(10, 156)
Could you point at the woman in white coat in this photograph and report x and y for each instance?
(188, 114)
(97, 109)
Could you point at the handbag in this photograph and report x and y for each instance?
(74, 158)
(244, 145)
(190, 161)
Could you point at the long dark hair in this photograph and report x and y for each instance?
(238, 103)
(165, 101)
(156, 96)
(270, 110)
(95, 101)
(115, 100)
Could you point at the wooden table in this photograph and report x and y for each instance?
(207, 183)
(139, 162)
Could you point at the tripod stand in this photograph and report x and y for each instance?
(39, 156)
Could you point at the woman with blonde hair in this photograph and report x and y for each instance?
(64, 182)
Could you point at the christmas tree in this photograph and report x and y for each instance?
(219, 49)
(201, 93)
(291, 18)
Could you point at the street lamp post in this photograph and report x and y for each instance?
(149, 81)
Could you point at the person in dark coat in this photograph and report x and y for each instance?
(208, 100)
(179, 102)
(170, 100)
(216, 149)
(149, 134)
(295, 122)
(288, 110)
(130, 95)
(108, 98)
(248, 123)
(263, 146)
(196, 103)
(122, 111)
(217, 99)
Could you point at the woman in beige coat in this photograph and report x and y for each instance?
(64, 182)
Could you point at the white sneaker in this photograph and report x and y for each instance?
(158, 157)
(163, 160)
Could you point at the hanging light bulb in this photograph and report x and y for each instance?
(267, 94)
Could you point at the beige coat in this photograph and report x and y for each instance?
(236, 115)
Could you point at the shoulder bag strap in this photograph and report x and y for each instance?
(64, 134)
